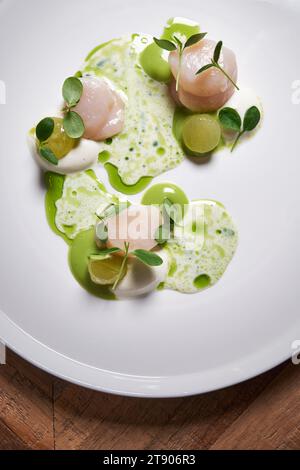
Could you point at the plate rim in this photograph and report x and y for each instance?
(84, 375)
(66, 368)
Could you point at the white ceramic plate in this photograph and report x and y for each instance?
(168, 344)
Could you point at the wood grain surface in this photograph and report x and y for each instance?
(39, 411)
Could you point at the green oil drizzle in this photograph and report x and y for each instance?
(117, 183)
(173, 268)
(93, 175)
(55, 185)
(103, 157)
(97, 48)
(202, 281)
(82, 247)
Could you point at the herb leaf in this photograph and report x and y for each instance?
(217, 51)
(112, 210)
(165, 44)
(48, 155)
(162, 234)
(230, 119)
(203, 69)
(148, 257)
(251, 119)
(44, 129)
(73, 125)
(214, 63)
(194, 39)
(172, 211)
(178, 42)
(72, 91)
(108, 251)
(123, 267)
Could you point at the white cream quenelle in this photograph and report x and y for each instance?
(209, 90)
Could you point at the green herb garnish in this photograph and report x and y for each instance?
(123, 266)
(111, 210)
(43, 132)
(148, 257)
(72, 91)
(45, 129)
(162, 234)
(230, 119)
(73, 125)
(72, 122)
(48, 155)
(165, 44)
(215, 63)
(171, 211)
(104, 254)
(178, 45)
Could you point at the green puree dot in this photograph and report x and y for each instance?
(202, 281)
(154, 64)
(161, 191)
(104, 156)
(201, 133)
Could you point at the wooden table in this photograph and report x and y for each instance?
(39, 411)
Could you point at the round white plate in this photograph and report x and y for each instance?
(168, 344)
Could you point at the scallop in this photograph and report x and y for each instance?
(101, 108)
(209, 90)
(136, 225)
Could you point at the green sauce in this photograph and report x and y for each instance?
(103, 157)
(180, 115)
(202, 281)
(159, 192)
(96, 49)
(117, 183)
(154, 60)
(82, 247)
(55, 185)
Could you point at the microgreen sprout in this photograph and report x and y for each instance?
(215, 63)
(180, 46)
(231, 120)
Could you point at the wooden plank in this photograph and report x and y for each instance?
(26, 406)
(88, 420)
(273, 419)
(261, 413)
